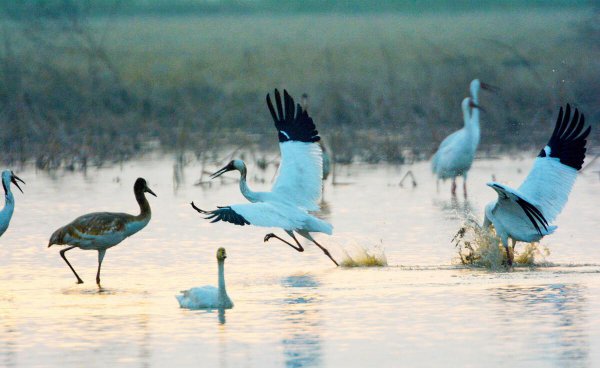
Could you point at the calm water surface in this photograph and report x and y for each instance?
(294, 309)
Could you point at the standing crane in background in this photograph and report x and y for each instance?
(455, 155)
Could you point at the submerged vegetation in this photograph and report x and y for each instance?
(80, 86)
(359, 256)
(479, 247)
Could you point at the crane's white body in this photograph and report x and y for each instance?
(298, 183)
(295, 192)
(9, 202)
(455, 155)
(457, 151)
(525, 214)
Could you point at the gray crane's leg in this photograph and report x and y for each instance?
(307, 236)
(453, 189)
(299, 248)
(101, 254)
(465, 185)
(62, 254)
(514, 242)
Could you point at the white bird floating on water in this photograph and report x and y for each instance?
(455, 155)
(297, 188)
(8, 177)
(103, 230)
(525, 214)
(208, 297)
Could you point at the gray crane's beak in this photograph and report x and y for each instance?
(14, 179)
(476, 106)
(148, 190)
(489, 87)
(227, 168)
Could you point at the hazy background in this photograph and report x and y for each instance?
(86, 82)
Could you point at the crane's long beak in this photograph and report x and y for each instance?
(227, 168)
(14, 179)
(148, 190)
(476, 106)
(489, 87)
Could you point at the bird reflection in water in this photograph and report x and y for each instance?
(559, 307)
(302, 321)
(325, 210)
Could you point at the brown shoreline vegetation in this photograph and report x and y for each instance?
(79, 90)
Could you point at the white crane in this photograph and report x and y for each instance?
(455, 155)
(207, 297)
(8, 177)
(102, 230)
(525, 214)
(297, 187)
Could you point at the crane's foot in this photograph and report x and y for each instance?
(269, 236)
(79, 281)
(509, 258)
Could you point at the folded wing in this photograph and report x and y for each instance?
(512, 200)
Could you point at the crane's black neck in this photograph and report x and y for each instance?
(140, 197)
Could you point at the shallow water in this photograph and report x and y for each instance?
(294, 309)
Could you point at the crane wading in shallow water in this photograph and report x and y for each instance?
(8, 177)
(297, 187)
(455, 155)
(103, 230)
(525, 214)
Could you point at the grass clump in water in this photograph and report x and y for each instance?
(480, 247)
(362, 257)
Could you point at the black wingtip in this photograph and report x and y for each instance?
(567, 142)
(224, 213)
(291, 121)
(534, 214)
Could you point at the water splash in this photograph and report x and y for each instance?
(360, 256)
(480, 247)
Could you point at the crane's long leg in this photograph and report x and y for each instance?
(299, 248)
(101, 253)
(307, 236)
(453, 189)
(514, 242)
(465, 186)
(62, 254)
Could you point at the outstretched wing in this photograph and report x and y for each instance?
(512, 201)
(263, 214)
(555, 169)
(301, 168)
